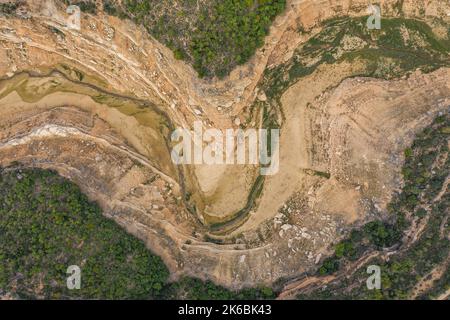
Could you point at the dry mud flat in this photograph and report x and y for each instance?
(340, 151)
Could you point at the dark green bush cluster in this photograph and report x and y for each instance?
(401, 273)
(377, 234)
(8, 7)
(424, 172)
(195, 289)
(230, 33)
(215, 37)
(47, 224)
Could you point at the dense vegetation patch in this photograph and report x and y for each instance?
(191, 288)
(215, 35)
(424, 200)
(398, 48)
(47, 224)
(8, 8)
